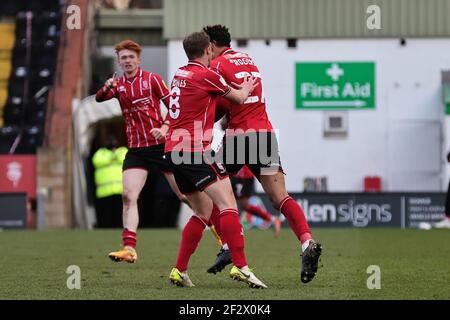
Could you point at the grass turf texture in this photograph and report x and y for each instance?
(414, 265)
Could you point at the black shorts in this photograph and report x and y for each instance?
(243, 187)
(257, 150)
(146, 158)
(194, 172)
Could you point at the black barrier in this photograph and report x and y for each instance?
(405, 210)
(13, 210)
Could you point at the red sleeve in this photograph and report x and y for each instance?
(160, 88)
(220, 67)
(223, 107)
(215, 66)
(215, 84)
(103, 95)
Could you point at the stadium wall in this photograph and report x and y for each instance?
(403, 140)
(271, 19)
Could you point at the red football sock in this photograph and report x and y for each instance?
(215, 219)
(129, 238)
(233, 235)
(297, 220)
(190, 237)
(259, 212)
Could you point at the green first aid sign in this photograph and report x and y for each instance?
(335, 85)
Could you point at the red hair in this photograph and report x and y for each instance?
(128, 45)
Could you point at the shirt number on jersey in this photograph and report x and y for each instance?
(174, 104)
(251, 99)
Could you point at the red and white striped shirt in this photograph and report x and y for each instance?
(139, 99)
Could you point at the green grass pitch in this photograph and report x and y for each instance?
(414, 265)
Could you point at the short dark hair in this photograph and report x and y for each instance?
(195, 44)
(218, 34)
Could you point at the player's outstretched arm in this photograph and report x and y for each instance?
(243, 90)
(108, 90)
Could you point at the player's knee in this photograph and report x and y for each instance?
(129, 197)
(274, 202)
(204, 215)
(276, 199)
(226, 204)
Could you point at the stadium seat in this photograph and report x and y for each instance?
(35, 116)
(31, 139)
(49, 17)
(19, 61)
(5, 69)
(43, 77)
(7, 136)
(6, 44)
(7, 30)
(20, 46)
(42, 5)
(20, 52)
(15, 101)
(3, 84)
(3, 97)
(35, 6)
(5, 55)
(47, 62)
(50, 31)
(7, 8)
(17, 87)
(19, 76)
(21, 24)
(47, 45)
(40, 96)
(13, 114)
(39, 92)
(11, 8)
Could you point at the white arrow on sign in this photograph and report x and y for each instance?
(350, 103)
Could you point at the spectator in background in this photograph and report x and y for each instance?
(108, 163)
(445, 223)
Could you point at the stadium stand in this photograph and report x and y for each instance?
(28, 52)
(7, 30)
